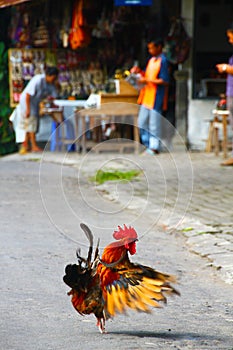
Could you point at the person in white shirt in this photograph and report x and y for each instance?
(39, 87)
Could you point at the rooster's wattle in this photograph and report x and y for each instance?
(111, 284)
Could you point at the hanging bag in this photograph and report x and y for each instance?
(178, 42)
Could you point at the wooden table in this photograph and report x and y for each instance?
(108, 112)
(127, 93)
(220, 117)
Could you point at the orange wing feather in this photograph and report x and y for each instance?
(128, 285)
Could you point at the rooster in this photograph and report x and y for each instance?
(111, 284)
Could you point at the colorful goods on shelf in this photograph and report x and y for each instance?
(78, 78)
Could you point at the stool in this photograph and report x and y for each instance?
(218, 122)
(212, 142)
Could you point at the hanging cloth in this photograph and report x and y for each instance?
(79, 36)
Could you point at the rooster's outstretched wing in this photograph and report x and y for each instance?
(137, 287)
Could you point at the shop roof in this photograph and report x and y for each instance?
(5, 3)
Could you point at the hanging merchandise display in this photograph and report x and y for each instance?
(79, 34)
(16, 81)
(178, 42)
(19, 28)
(80, 25)
(88, 42)
(24, 35)
(104, 27)
(41, 35)
(78, 76)
(65, 27)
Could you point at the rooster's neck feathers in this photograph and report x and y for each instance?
(113, 252)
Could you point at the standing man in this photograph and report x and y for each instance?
(228, 68)
(152, 97)
(38, 88)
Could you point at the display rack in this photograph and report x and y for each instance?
(79, 75)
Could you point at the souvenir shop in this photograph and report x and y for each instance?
(89, 41)
(92, 43)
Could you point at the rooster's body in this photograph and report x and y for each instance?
(112, 284)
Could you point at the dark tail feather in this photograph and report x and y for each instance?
(97, 250)
(89, 236)
(80, 258)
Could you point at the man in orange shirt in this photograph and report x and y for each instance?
(152, 97)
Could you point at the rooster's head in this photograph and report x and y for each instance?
(128, 237)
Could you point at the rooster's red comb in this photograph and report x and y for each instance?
(126, 232)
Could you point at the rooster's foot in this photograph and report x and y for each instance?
(101, 325)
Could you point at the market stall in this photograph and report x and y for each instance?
(93, 44)
(90, 43)
(77, 84)
(84, 40)
(76, 80)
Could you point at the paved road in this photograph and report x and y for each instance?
(180, 191)
(42, 204)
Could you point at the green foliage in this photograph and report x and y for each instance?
(114, 175)
(5, 109)
(7, 137)
(186, 229)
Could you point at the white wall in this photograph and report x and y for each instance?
(199, 115)
(199, 111)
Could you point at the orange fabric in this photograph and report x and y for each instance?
(79, 36)
(148, 93)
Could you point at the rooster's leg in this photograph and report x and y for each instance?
(101, 325)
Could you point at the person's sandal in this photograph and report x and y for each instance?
(37, 150)
(22, 150)
(228, 162)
